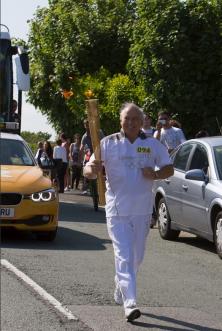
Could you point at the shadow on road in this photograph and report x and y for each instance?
(66, 239)
(180, 325)
(199, 243)
(195, 241)
(80, 213)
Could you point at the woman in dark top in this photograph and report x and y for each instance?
(76, 161)
(47, 150)
(48, 154)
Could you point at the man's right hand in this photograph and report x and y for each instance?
(96, 166)
(92, 168)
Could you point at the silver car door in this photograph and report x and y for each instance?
(194, 194)
(173, 185)
(172, 189)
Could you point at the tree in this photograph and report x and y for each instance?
(119, 89)
(32, 138)
(70, 44)
(176, 53)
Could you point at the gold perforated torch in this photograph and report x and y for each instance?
(94, 127)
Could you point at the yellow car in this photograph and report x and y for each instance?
(28, 201)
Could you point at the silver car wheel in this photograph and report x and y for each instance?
(164, 222)
(163, 218)
(219, 234)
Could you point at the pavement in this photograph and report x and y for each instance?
(76, 196)
(111, 318)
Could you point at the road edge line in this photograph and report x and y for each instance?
(45, 295)
(76, 203)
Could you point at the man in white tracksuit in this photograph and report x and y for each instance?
(130, 159)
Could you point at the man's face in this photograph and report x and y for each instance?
(131, 122)
(147, 121)
(164, 121)
(86, 125)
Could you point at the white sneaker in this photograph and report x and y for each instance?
(132, 313)
(118, 296)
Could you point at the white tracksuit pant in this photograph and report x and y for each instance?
(128, 235)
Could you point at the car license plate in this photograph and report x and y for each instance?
(7, 212)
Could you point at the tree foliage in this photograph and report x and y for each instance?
(32, 138)
(72, 44)
(160, 54)
(176, 53)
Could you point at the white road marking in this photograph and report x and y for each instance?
(67, 201)
(45, 295)
(75, 203)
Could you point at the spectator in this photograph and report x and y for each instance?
(69, 166)
(47, 158)
(39, 152)
(147, 128)
(175, 123)
(60, 159)
(76, 163)
(14, 115)
(86, 150)
(149, 132)
(202, 133)
(65, 143)
(47, 150)
(129, 159)
(86, 139)
(168, 135)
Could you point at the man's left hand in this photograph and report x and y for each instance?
(149, 173)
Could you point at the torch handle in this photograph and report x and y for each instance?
(94, 127)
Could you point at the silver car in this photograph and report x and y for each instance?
(191, 200)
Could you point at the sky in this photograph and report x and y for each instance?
(14, 14)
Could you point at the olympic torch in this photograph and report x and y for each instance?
(94, 127)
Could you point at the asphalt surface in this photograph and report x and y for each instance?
(179, 284)
(102, 317)
(36, 314)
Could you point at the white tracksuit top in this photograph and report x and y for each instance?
(128, 192)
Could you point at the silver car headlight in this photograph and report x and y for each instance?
(45, 196)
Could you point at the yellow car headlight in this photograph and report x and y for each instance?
(45, 196)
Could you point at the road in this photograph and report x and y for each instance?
(179, 284)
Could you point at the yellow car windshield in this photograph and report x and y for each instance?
(14, 152)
